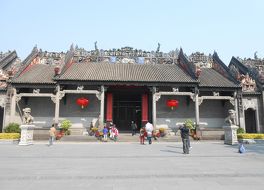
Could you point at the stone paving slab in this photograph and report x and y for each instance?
(129, 165)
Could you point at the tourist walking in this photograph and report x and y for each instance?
(52, 134)
(142, 132)
(149, 130)
(185, 138)
(133, 127)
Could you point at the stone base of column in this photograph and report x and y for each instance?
(230, 134)
(26, 135)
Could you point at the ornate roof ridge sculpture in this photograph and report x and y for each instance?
(201, 60)
(245, 73)
(126, 55)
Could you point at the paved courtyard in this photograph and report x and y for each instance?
(210, 165)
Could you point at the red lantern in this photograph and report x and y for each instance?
(172, 103)
(83, 102)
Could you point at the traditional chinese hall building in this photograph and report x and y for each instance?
(126, 84)
(250, 74)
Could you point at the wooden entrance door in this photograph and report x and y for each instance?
(250, 120)
(126, 108)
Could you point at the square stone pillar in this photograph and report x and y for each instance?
(26, 137)
(230, 134)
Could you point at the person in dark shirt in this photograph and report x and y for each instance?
(185, 137)
(133, 127)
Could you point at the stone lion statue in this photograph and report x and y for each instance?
(231, 119)
(27, 118)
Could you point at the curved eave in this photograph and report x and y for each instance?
(34, 85)
(139, 83)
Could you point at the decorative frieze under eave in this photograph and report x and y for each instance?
(231, 99)
(20, 95)
(200, 99)
(158, 94)
(62, 93)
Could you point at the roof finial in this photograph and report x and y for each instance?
(72, 48)
(35, 49)
(158, 48)
(95, 45)
(255, 55)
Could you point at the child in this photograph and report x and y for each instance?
(142, 135)
(115, 133)
(105, 132)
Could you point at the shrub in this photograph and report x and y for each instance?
(9, 135)
(12, 128)
(65, 125)
(240, 130)
(250, 136)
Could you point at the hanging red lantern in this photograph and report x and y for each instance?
(83, 102)
(172, 103)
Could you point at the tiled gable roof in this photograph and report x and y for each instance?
(211, 78)
(37, 74)
(126, 73)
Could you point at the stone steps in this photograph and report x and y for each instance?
(123, 137)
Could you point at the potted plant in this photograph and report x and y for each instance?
(65, 125)
(162, 132)
(189, 124)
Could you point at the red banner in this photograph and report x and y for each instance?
(109, 107)
(145, 107)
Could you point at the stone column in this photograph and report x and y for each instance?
(57, 105)
(102, 97)
(236, 108)
(197, 114)
(241, 110)
(262, 112)
(257, 119)
(13, 106)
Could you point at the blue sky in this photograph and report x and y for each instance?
(229, 27)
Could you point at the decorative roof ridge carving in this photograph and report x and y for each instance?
(255, 74)
(8, 59)
(186, 65)
(27, 61)
(221, 68)
(68, 61)
(201, 60)
(135, 55)
(239, 64)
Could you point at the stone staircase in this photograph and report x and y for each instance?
(123, 137)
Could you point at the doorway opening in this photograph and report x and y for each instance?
(250, 120)
(126, 108)
(1, 119)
